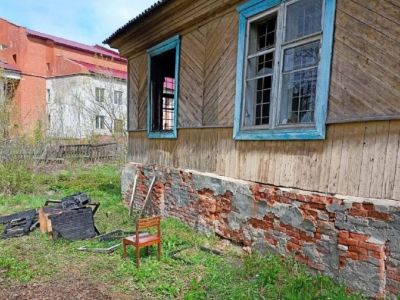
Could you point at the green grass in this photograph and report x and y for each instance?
(37, 258)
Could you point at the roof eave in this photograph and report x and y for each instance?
(136, 20)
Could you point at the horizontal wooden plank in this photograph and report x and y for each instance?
(358, 159)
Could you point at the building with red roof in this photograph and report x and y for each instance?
(42, 65)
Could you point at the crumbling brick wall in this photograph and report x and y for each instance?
(354, 240)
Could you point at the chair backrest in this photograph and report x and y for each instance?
(148, 223)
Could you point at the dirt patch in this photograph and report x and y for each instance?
(67, 288)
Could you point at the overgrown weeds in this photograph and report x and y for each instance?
(199, 275)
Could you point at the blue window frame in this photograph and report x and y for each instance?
(163, 88)
(283, 69)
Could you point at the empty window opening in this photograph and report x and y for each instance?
(163, 91)
(15, 58)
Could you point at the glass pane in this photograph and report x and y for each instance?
(303, 18)
(298, 97)
(257, 105)
(262, 34)
(260, 65)
(301, 57)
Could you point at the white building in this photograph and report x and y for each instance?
(82, 105)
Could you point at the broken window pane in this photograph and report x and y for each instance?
(303, 18)
(262, 34)
(260, 65)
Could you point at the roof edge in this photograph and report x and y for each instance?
(143, 15)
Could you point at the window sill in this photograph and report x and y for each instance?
(162, 135)
(279, 134)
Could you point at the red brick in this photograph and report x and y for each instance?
(369, 246)
(348, 242)
(292, 247)
(377, 255)
(393, 275)
(318, 206)
(358, 212)
(358, 236)
(352, 255)
(363, 257)
(368, 206)
(359, 250)
(379, 215)
(344, 234)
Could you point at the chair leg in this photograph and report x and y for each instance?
(124, 247)
(137, 257)
(159, 251)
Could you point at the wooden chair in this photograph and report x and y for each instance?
(142, 239)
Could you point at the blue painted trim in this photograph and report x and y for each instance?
(251, 8)
(172, 43)
(254, 7)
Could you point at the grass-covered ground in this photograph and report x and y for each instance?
(37, 264)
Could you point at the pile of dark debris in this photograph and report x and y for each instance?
(70, 218)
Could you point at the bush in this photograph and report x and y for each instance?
(16, 177)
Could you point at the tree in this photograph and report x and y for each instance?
(85, 105)
(7, 105)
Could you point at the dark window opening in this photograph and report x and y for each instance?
(15, 58)
(163, 91)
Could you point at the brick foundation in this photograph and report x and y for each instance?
(356, 241)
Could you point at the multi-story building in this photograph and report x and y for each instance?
(68, 89)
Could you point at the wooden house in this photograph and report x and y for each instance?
(275, 124)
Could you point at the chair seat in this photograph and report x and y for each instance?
(143, 239)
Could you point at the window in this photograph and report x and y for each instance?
(283, 69)
(118, 126)
(100, 122)
(100, 94)
(48, 95)
(163, 89)
(118, 97)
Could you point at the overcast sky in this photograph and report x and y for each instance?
(85, 21)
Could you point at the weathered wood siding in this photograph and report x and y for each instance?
(137, 93)
(359, 159)
(365, 81)
(366, 63)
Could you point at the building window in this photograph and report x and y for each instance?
(163, 89)
(118, 126)
(118, 97)
(48, 94)
(100, 94)
(283, 70)
(100, 122)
